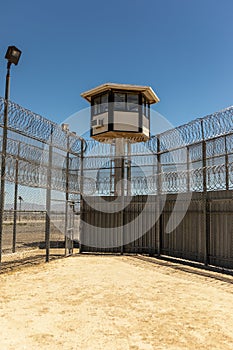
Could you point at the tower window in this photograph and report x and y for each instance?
(126, 102)
(100, 104)
(132, 102)
(145, 108)
(119, 101)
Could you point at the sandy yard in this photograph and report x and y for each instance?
(115, 302)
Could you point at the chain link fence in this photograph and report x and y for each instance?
(41, 174)
(54, 179)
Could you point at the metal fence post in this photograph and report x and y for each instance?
(67, 195)
(48, 199)
(128, 168)
(188, 169)
(122, 202)
(119, 177)
(226, 164)
(158, 207)
(15, 201)
(81, 196)
(206, 227)
(4, 153)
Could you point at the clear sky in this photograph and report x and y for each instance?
(182, 48)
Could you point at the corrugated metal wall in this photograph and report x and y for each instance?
(186, 241)
(221, 229)
(204, 235)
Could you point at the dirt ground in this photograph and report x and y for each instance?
(115, 302)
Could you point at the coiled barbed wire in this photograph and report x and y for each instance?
(32, 125)
(182, 167)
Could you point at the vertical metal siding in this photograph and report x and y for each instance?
(186, 241)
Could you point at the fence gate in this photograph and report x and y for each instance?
(69, 227)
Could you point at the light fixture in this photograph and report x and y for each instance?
(13, 54)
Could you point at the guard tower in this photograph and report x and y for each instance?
(120, 111)
(120, 115)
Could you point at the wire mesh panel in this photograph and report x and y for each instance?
(26, 243)
(41, 159)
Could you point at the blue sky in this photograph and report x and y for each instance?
(182, 48)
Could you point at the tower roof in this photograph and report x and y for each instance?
(146, 90)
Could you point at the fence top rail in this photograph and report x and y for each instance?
(25, 211)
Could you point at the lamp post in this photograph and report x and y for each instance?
(12, 55)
